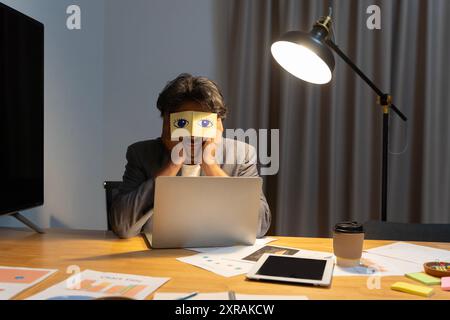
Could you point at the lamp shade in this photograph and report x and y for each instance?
(304, 56)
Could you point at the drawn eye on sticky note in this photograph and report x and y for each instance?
(193, 124)
(204, 124)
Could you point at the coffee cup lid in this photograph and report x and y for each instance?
(349, 227)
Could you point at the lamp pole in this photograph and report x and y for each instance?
(315, 49)
(385, 100)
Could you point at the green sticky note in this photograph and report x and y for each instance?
(424, 278)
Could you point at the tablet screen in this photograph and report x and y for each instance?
(288, 267)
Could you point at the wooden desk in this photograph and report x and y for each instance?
(102, 251)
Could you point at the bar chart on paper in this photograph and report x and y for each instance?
(91, 284)
(108, 288)
(21, 275)
(14, 280)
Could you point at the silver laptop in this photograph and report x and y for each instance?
(205, 211)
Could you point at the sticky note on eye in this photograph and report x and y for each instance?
(412, 289)
(193, 124)
(424, 278)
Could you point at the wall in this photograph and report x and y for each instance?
(146, 45)
(73, 115)
(101, 86)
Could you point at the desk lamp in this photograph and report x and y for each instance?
(309, 57)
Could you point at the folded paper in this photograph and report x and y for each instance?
(193, 124)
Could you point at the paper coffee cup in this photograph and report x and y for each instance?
(348, 240)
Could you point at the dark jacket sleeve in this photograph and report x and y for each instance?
(250, 169)
(131, 208)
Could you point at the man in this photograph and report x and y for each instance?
(131, 211)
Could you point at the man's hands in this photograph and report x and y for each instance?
(209, 163)
(170, 169)
(165, 136)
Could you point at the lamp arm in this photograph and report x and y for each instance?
(358, 71)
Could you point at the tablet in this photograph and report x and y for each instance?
(302, 270)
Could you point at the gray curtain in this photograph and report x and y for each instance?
(330, 136)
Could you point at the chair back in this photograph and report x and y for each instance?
(378, 230)
(111, 190)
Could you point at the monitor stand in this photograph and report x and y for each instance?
(26, 222)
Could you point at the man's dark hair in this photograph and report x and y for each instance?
(187, 88)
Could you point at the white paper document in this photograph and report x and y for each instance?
(91, 284)
(411, 253)
(218, 263)
(240, 296)
(182, 296)
(14, 280)
(375, 265)
(258, 242)
(224, 296)
(227, 261)
(370, 265)
(314, 254)
(391, 260)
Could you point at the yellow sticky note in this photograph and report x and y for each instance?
(412, 289)
(193, 124)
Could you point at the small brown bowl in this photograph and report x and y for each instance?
(435, 269)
